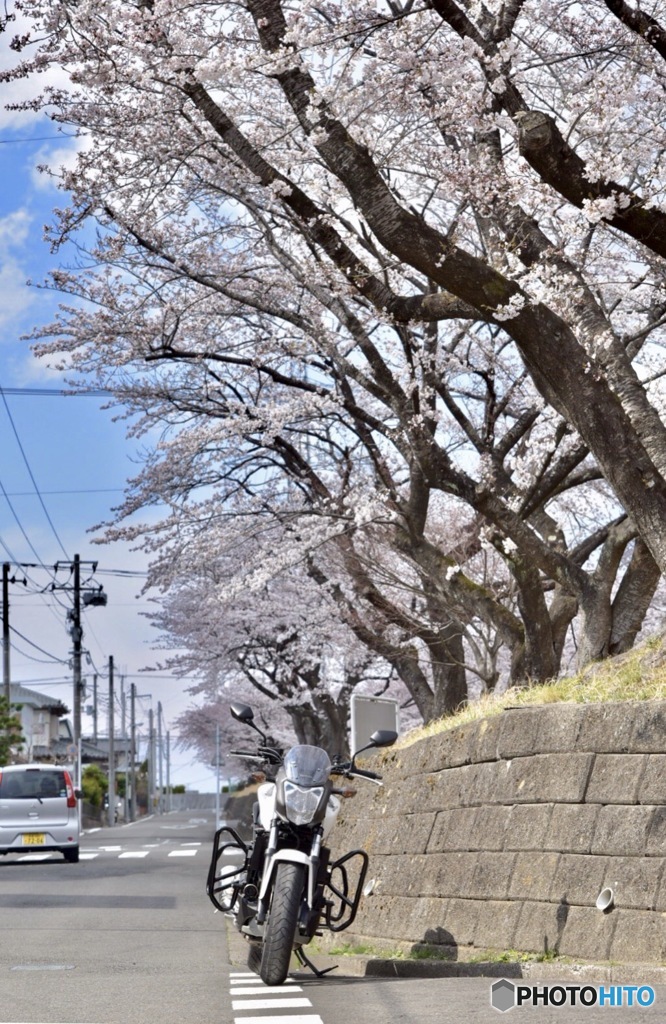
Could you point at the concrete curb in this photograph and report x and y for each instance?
(617, 974)
(360, 966)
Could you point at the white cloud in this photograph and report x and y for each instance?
(16, 296)
(24, 89)
(56, 158)
(31, 372)
(14, 230)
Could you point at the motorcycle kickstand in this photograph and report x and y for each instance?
(305, 962)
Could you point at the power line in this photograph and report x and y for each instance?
(36, 138)
(53, 657)
(18, 521)
(31, 475)
(86, 490)
(129, 573)
(11, 555)
(58, 393)
(126, 573)
(49, 681)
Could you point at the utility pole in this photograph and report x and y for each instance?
(6, 677)
(217, 778)
(95, 708)
(168, 770)
(77, 636)
(151, 762)
(93, 596)
(112, 752)
(160, 780)
(123, 733)
(123, 709)
(132, 802)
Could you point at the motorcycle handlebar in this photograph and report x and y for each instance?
(337, 769)
(373, 776)
(263, 754)
(346, 769)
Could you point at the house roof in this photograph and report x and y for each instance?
(22, 695)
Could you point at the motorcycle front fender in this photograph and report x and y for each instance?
(290, 857)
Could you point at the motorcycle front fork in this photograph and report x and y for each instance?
(312, 868)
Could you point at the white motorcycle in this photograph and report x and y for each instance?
(287, 887)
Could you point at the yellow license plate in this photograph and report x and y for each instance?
(34, 839)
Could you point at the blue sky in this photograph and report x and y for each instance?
(76, 455)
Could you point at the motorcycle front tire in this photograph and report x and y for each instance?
(281, 924)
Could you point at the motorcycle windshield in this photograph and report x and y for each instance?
(306, 765)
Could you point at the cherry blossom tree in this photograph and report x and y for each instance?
(390, 275)
(279, 646)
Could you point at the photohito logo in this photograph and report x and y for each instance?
(504, 995)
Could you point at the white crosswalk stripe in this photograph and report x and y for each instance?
(123, 853)
(187, 850)
(268, 1004)
(260, 989)
(289, 1018)
(244, 983)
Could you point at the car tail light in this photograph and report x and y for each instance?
(71, 798)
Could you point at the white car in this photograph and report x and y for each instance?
(38, 810)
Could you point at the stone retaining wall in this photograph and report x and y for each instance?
(502, 833)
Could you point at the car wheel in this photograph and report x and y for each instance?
(71, 855)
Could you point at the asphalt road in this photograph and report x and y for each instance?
(127, 936)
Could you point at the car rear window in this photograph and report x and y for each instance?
(32, 783)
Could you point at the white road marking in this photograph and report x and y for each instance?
(88, 856)
(36, 856)
(250, 978)
(261, 989)
(289, 1018)
(268, 1004)
(183, 853)
(134, 853)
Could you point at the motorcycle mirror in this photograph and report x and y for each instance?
(242, 713)
(383, 738)
(379, 738)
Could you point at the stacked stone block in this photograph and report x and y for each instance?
(501, 834)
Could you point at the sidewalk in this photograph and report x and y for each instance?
(357, 965)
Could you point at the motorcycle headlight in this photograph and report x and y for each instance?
(301, 804)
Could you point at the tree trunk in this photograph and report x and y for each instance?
(450, 679)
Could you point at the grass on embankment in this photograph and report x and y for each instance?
(640, 674)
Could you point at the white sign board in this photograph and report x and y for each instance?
(369, 714)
